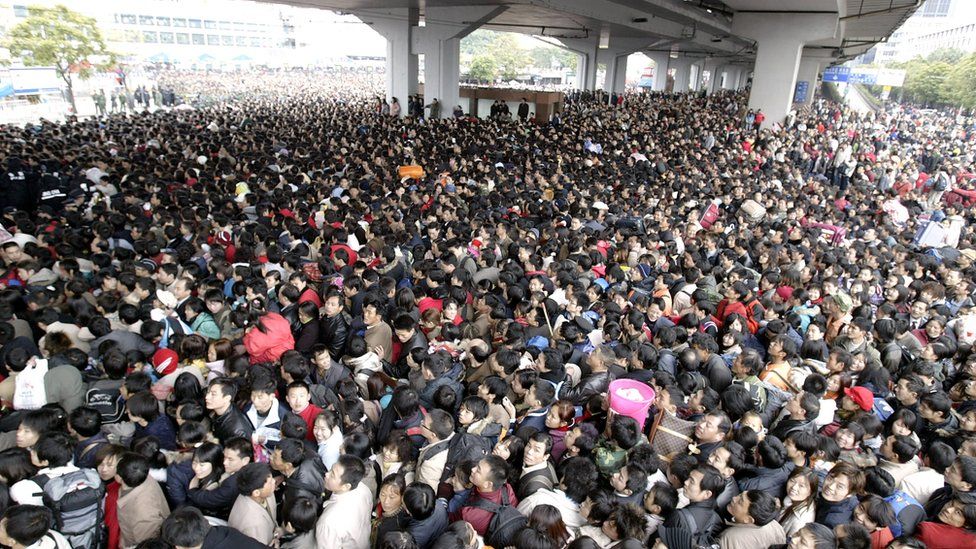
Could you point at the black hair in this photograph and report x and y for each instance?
(185, 527)
(27, 524)
(301, 513)
(133, 469)
(419, 500)
(56, 448)
(252, 477)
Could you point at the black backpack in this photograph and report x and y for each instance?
(506, 521)
(108, 402)
(464, 447)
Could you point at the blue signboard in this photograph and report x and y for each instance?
(800, 94)
(837, 74)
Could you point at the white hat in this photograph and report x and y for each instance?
(166, 298)
(600, 205)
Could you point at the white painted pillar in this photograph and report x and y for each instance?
(682, 74)
(397, 26)
(587, 52)
(440, 42)
(615, 80)
(808, 72)
(661, 64)
(780, 40)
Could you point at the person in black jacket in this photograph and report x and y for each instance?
(410, 338)
(333, 327)
(218, 501)
(599, 379)
(228, 421)
(699, 518)
(187, 528)
(303, 476)
(427, 514)
(838, 496)
(306, 332)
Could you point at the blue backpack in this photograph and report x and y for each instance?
(899, 501)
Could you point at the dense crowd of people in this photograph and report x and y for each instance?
(291, 319)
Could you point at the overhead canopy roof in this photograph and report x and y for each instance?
(697, 27)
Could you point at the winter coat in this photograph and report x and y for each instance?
(161, 428)
(333, 333)
(205, 325)
(253, 519)
(426, 531)
(831, 514)
(141, 512)
(307, 336)
(270, 344)
(215, 502)
(232, 424)
(593, 384)
(224, 537)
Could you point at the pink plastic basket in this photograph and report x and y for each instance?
(622, 405)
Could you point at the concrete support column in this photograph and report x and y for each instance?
(440, 42)
(780, 40)
(587, 52)
(731, 77)
(397, 26)
(711, 67)
(809, 72)
(662, 61)
(682, 74)
(615, 61)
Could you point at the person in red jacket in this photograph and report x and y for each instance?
(489, 480)
(957, 529)
(268, 336)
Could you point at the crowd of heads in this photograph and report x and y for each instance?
(289, 317)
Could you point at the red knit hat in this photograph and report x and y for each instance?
(164, 361)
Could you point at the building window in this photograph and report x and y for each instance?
(225, 25)
(198, 40)
(147, 20)
(213, 40)
(195, 23)
(128, 19)
(166, 38)
(208, 24)
(182, 38)
(255, 42)
(149, 37)
(227, 40)
(179, 22)
(21, 11)
(241, 41)
(162, 21)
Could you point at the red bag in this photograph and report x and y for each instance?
(709, 215)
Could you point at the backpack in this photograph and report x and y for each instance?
(75, 500)
(899, 501)
(108, 402)
(751, 323)
(30, 393)
(882, 409)
(464, 447)
(700, 538)
(941, 182)
(506, 521)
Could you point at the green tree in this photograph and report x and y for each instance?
(60, 38)
(927, 83)
(545, 57)
(483, 68)
(962, 82)
(508, 57)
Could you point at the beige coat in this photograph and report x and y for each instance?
(253, 519)
(141, 512)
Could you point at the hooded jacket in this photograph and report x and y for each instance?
(270, 344)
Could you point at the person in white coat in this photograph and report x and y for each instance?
(345, 519)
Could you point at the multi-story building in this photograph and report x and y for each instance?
(216, 32)
(937, 24)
